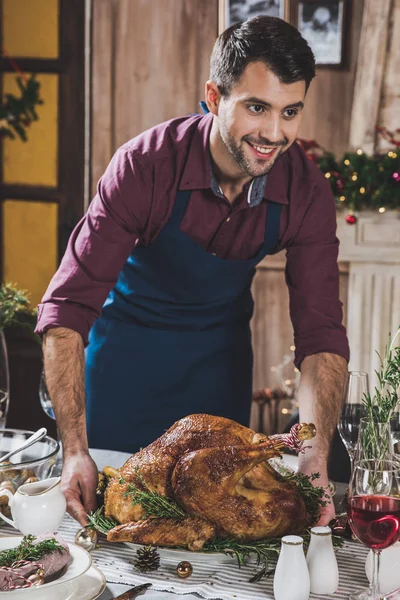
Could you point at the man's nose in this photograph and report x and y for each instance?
(272, 130)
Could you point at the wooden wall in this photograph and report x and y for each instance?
(150, 63)
(330, 97)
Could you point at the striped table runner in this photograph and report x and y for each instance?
(212, 581)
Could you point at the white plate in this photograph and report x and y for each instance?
(88, 586)
(80, 562)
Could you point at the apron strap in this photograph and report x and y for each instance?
(181, 202)
(271, 237)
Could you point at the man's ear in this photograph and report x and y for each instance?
(212, 96)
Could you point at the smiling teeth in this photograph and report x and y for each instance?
(264, 150)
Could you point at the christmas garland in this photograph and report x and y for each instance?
(17, 113)
(360, 181)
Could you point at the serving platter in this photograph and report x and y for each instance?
(177, 555)
(80, 562)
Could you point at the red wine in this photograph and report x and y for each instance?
(375, 520)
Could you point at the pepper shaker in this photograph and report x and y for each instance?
(322, 563)
(292, 580)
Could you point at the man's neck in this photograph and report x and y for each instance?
(227, 172)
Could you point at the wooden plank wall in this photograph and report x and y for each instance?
(150, 63)
(329, 101)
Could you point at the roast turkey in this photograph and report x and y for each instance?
(218, 472)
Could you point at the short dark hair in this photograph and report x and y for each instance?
(276, 43)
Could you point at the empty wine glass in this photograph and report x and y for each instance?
(353, 411)
(374, 513)
(47, 406)
(4, 382)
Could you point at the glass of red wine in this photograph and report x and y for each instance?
(353, 411)
(373, 511)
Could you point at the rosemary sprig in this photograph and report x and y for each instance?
(314, 497)
(154, 504)
(383, 403)
(101, 523)
(27, 550)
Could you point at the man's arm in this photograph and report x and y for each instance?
(320, 395)
(65, 378)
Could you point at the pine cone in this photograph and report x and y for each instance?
(147, 559)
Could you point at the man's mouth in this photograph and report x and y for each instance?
(263, 151)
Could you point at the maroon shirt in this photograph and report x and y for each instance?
(134, 201)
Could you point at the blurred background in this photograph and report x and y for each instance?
(108, 69)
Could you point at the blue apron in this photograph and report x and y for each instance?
(173, 338)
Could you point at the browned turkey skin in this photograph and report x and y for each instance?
(216, 470)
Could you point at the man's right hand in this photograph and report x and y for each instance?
(78, 484)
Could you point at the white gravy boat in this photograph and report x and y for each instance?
(37, 507)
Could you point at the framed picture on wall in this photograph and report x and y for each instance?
(321, 23)
(233, 11)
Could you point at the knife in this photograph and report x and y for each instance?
(133, 592)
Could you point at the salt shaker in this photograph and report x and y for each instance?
(322, 563)
(292, 581)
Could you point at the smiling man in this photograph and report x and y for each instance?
(157, 275)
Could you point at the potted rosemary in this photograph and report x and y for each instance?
(382, 407)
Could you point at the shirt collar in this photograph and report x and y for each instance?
(198, 173)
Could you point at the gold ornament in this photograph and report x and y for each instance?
(184, 569)
(86, 538)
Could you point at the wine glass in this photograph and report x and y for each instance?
(395, 430)
(47, 406)
(352, 412)
(373, 511)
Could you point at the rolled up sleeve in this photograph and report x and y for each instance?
(97, 249)
(312, 276)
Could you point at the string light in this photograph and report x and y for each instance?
(292, 348)
(354, 177)
(382, 209)
(342, 198)
(327, 175)
(362, 190)
(347, 162)
(359, 151)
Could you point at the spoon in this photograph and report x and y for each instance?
(35, 437)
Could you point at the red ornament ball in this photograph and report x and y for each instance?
(351, 219)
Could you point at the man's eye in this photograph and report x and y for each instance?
(256, 108)
(290, 113)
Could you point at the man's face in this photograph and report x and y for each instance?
(260, 118)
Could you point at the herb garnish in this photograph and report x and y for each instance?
(154, 504)
(27, 550)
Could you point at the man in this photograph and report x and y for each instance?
(183, 214)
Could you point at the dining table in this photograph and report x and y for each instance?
(223, 580)
(214, 577)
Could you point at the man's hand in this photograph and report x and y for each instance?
(327, 511)
(78, 484)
